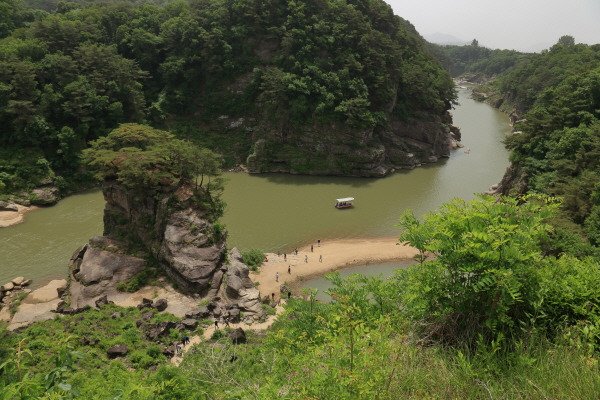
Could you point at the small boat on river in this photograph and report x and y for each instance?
(345, 202)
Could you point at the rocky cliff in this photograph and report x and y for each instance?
(333, 149)
(169, 228)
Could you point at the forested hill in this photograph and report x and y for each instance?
(315, 86)
(554, 101)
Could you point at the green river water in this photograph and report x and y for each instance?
(280, 212)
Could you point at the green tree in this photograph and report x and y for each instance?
(142, 157)
(484, 279)
(566, 40)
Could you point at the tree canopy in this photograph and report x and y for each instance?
(141, 157)
(70, 76)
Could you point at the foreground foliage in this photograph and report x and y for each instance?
(492, 315)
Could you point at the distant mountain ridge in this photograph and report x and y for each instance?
(444, 39)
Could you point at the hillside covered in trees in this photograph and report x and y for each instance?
(304, 87)
(554, 101)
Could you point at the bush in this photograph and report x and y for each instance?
(218, 334)
(253, 258)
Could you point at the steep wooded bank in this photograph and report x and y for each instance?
(553, 99)
(314, 87)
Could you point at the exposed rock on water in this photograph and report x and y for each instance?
(342, 151)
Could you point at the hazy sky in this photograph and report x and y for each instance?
(525, 25)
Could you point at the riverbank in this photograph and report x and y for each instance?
(329, 256)
(10, 218)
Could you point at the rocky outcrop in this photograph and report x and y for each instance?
(173, 230)
(239, 288)
(96, 269)
(171, 227)
(333, 150)
(39, 305)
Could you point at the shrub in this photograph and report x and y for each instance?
(218, 334)
(253, 258)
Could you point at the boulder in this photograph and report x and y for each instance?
(8, 286)
(169, 352)
(98, 265)
(118, 350)
(238, 336)
(4, 206)
(89, 341)
(146, 303)
(189, 324)
(102, 301)
(53, 290)
(201, 312)
(18, 281)
(234, 315)
(155, 331)
(160, 304)
(45, 196)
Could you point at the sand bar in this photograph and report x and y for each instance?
(336, 254)
(10, 218)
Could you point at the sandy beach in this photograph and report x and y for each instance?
(10, 218)
(336, 254)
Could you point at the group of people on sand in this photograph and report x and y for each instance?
(289, 270)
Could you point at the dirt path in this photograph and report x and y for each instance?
(208, 332)
(324, 257)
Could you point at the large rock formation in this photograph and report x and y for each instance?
(341, 151)
(169, 227)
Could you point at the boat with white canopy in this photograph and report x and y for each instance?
(345, 202)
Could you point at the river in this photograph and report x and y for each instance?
(280, 212)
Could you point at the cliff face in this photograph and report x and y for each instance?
(334, 149)
(172, 229)
(168, 225)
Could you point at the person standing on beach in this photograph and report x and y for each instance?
(296, 251)
(284, 257)
(319, 243)
(289, 270)
(311, 248)
(276, 276)
(320, 258)
(306, 259)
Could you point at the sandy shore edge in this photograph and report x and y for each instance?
(329, 256)
(11, 218)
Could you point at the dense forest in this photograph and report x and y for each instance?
(221, 73)
(503, 301)
(554, 101)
